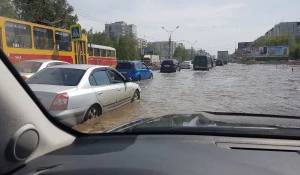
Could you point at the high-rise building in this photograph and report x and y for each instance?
(290, 28)
(141, 42)
(163, 48)
(118, 29)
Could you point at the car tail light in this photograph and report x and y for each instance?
(60, 102)
(133, 66)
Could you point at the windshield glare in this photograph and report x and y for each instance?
(174, 58)
(57, 76)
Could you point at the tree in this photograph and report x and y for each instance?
(57, 13)
(7, 9)
(127, 48)
(182, 54)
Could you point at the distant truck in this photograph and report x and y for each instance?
(151, 60)
(223, 56)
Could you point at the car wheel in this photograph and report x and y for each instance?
(151, 76)
(93, 112)
(139, 78)
(136, 96)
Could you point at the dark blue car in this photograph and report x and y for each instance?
(135, 70)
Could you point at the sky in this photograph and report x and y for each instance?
(214, 24)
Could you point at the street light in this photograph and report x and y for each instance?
(170, 39)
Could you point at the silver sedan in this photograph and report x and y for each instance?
(76, 93)
(186, 65)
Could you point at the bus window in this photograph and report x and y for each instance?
(96, 52)
(18, 35)
(113, 54)
(43, 38)
(109, 53)
(91, 51)
(63, 41)
(103, 53)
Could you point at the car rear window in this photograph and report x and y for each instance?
(28, 66)
(57, 76)
(197, 59)
(124, 66)
(167, 62)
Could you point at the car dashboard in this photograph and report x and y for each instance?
(170, 154)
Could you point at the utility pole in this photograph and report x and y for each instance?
(170, 40)
(192, 47)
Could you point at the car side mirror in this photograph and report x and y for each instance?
(128, 80)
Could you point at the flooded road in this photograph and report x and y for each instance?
(261, 89)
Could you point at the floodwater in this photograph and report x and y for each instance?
(263, 89)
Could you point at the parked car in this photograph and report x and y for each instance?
(30, 67)
(135, 70)
(169, 66)
(76, 93)
(219, 63)
(186, 65)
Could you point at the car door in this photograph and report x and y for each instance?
(146, 71)
(105, 91)
(123, 90)
(139, 69)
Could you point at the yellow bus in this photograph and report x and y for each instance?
(22, 40)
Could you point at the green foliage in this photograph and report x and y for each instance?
(127, 48)
(7, 9)
(283, 40)
(182, 54)
(295, 51)
(56, 13)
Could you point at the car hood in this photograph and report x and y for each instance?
(214, 120)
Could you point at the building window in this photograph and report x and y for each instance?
(63, 41)
(18, 35)
(96, 52)
(103, 53)
(43, 38)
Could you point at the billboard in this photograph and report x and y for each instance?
(265, 51)
(278, 50)
(147, 51)
(242, 45)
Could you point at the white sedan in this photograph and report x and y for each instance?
(76, 93)
(28, 68)
(186, 65)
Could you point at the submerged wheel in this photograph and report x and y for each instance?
(139, 78)
(151, 76)
(93, 112)
(136, 96)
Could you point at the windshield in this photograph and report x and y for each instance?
(176, 57)
(28, 66)
(57, 76)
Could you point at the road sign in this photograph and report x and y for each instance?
(75, 32)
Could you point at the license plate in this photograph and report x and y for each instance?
(123, 72)
(197, 67)
(167, 65)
